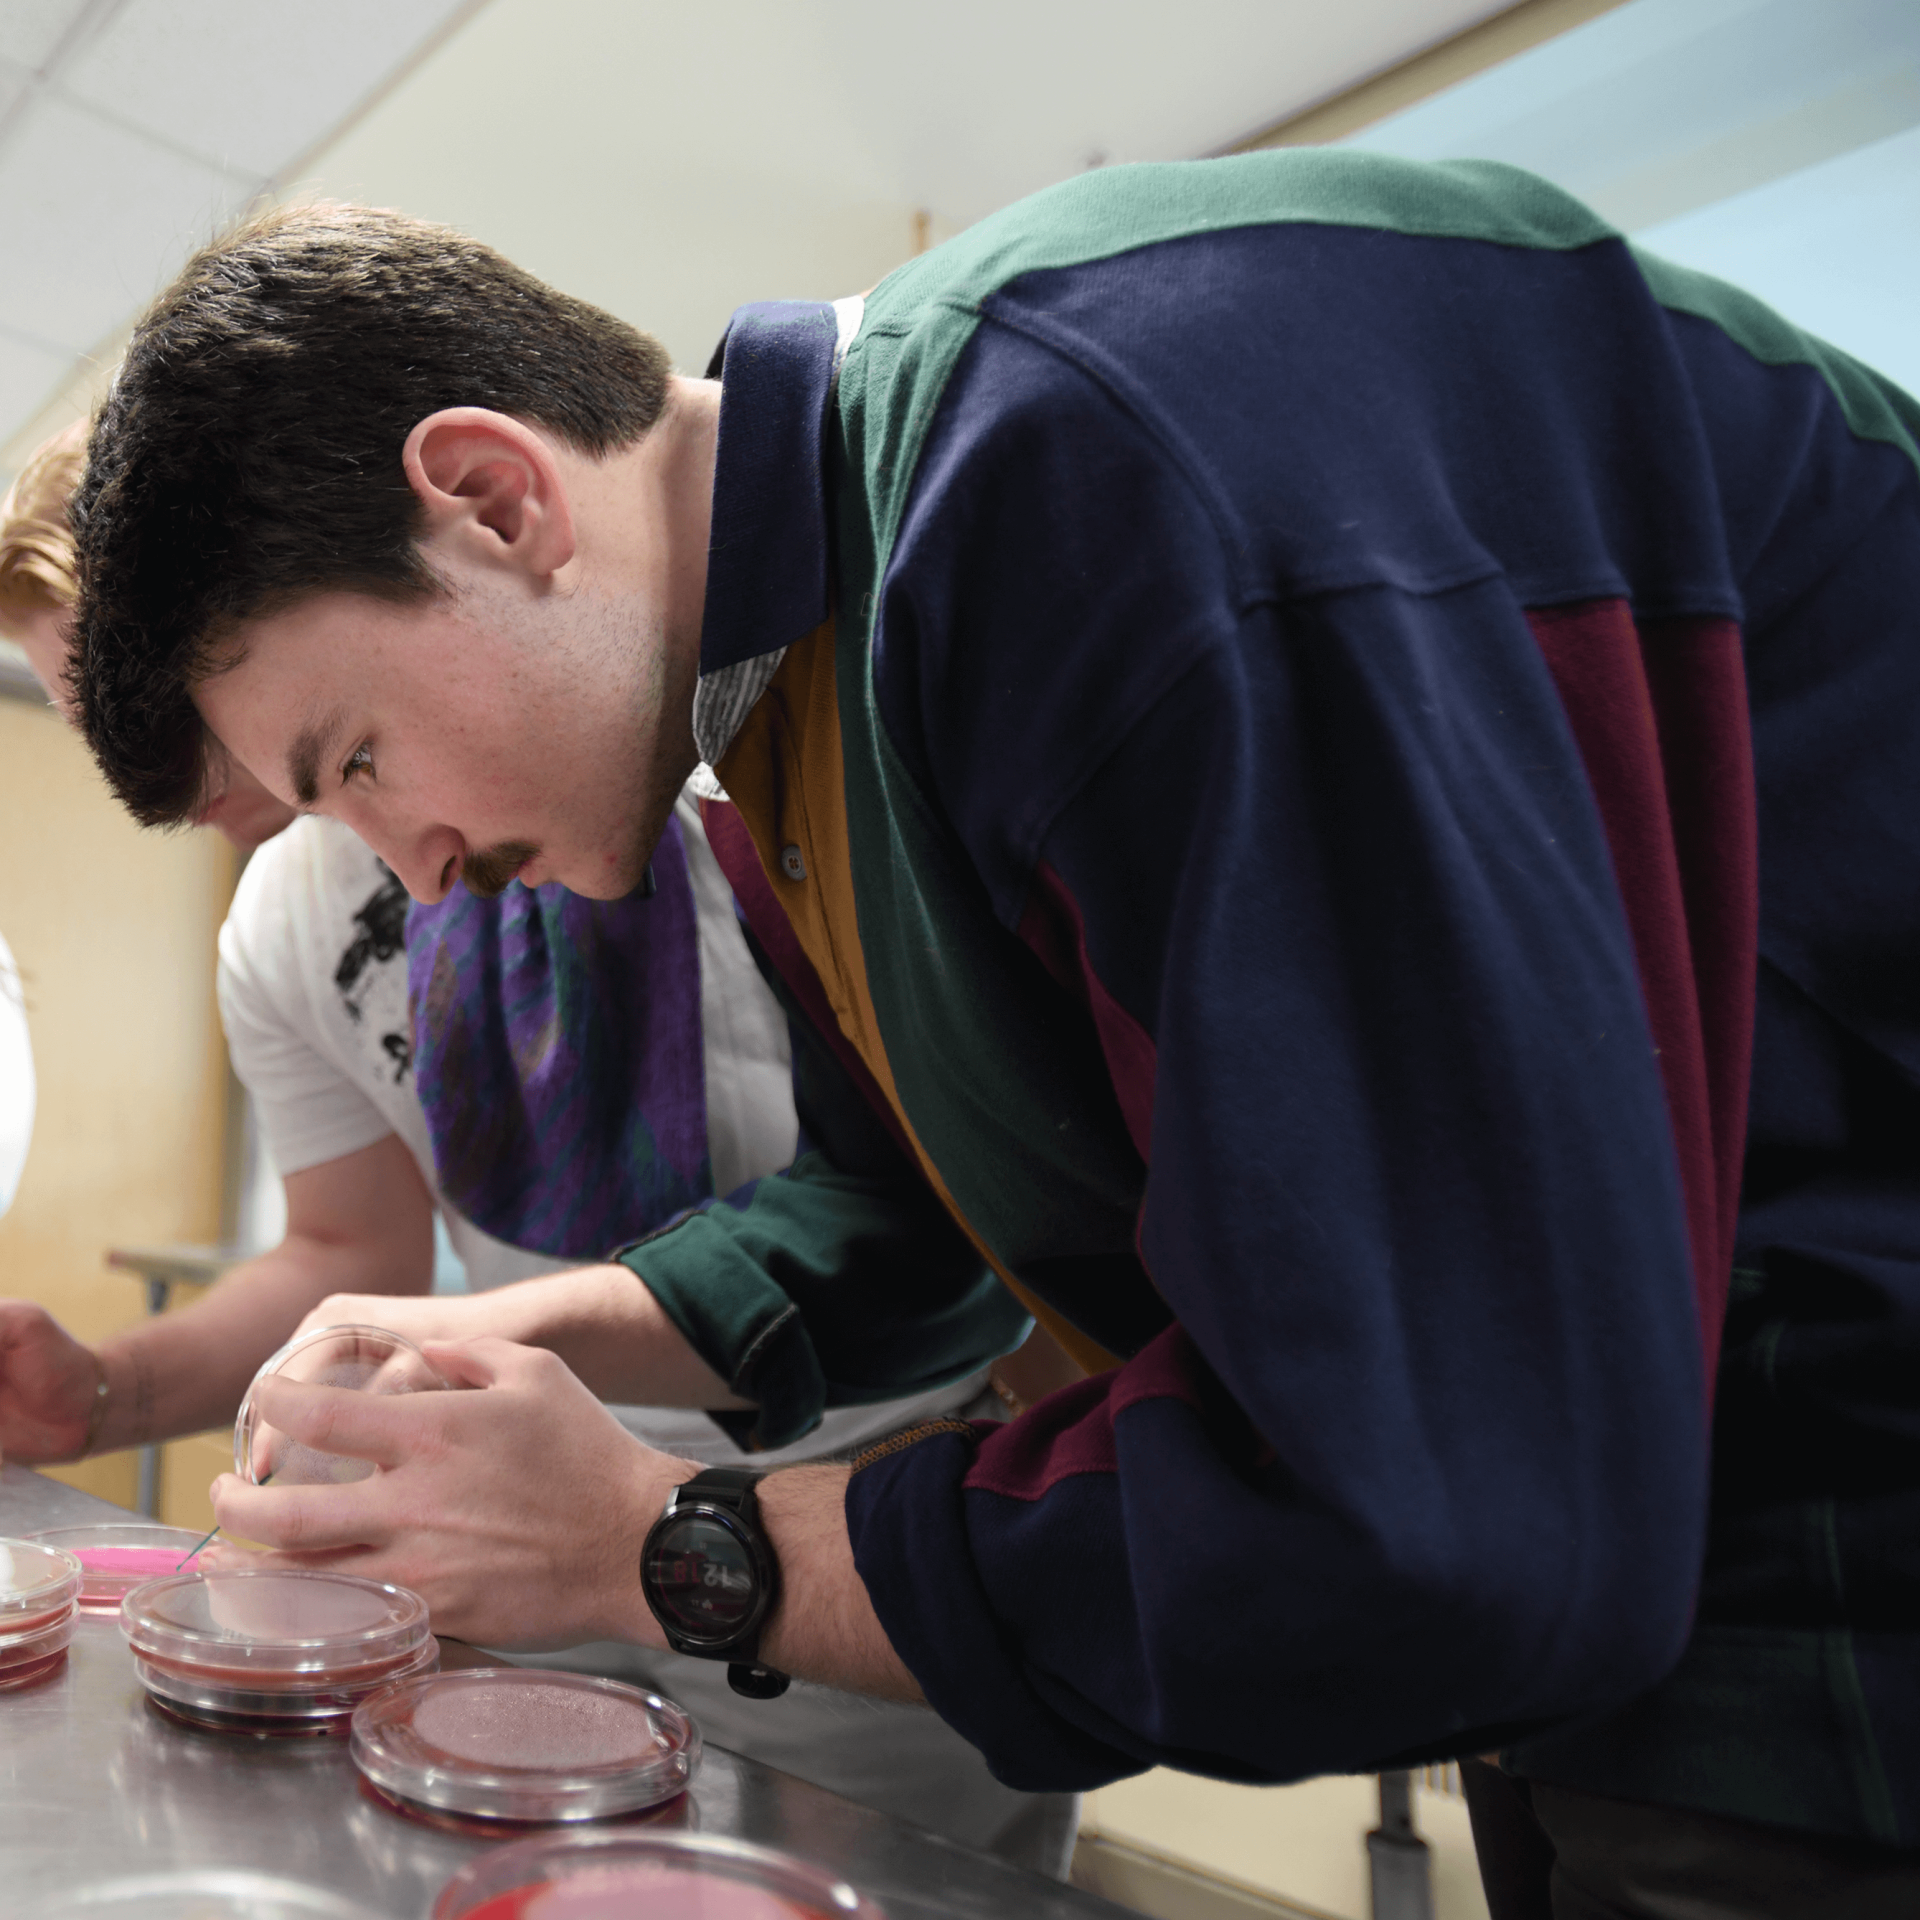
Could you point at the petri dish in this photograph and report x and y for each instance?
(524, 1745)
(666, 1876)
(258, 1650)
(38, 1584)
(119, 1556)
(39, 1589)
(362, 1359)
(199, 1894)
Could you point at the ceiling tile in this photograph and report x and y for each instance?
(13, 83)
(96, 219)
(31, 29)
(251, 84)
(29, 378)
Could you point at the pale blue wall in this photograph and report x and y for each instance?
(1773, 142)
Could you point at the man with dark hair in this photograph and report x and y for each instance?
(1332, 748)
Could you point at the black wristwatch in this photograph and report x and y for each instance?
(711, 1577)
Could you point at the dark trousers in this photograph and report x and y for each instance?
(1548, 1853)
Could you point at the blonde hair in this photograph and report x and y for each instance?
(36, 543)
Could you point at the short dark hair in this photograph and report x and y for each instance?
(249, 454)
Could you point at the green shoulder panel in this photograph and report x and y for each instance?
(1874, 407)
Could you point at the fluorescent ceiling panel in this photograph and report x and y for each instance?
(31, 29)
(93, 219)
(250, 84)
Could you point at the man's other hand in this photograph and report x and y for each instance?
(47, 1381)
(516, 1510)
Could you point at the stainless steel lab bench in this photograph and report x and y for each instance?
(95, 1784)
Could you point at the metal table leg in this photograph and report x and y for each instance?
(158, 1292)
(1402, 1871)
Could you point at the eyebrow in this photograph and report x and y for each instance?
(312, 745)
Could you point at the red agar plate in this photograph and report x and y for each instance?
(612, 1876)
(508, 1743)
(38, 1589)
(273, 1652)
(122, 1555)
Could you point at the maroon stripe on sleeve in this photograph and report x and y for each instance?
(739, 860)
(1051, 924)
(1071, 1432)
(1659, 712)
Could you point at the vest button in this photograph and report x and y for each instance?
(792, 864)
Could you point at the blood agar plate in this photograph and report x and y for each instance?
(201, 1894)
(39, 1586)
(363, 1359)
(122, 1555)
(516, 1744)
(263, 1651)
(666, 1876)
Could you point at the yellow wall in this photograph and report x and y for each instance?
(1182, 1848)
(114, 932)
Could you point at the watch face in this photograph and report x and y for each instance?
(701, 1577)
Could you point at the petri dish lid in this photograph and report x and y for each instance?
(120, 1555)
(38, 1584)
(666, 1876)
(510, 1743)
(361, 1358)
(199, 1894)
(267, 1621)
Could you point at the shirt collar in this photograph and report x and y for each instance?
(767, 555)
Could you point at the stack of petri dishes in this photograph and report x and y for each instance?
(39, 1596)
(119, 1556)
(270, 1652)
(483, 1749)
(666, 1876)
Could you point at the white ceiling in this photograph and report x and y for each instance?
(130, 130)
(666, 159)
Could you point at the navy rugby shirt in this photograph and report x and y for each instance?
(1286, 715)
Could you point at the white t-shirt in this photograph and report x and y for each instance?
(313, 995)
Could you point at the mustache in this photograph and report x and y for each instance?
(488, 871)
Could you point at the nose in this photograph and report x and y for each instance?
(427, 865)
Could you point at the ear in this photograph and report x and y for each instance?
(491, 485)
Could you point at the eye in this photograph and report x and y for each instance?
(360, 760)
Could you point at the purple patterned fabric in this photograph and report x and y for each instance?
(558, 1056)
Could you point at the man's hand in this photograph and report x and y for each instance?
(516, 1511)
(47, 1381)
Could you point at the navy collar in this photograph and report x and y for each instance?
(767, 555)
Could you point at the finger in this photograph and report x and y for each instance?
(478, 1362)
(302, 1519)
(227, 1557)
(339, 1420)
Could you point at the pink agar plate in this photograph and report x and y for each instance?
(122, 1555)
(39, 1586)
(360, 1359)
(509, 1743)
(264, 1651)
(677, 1876)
